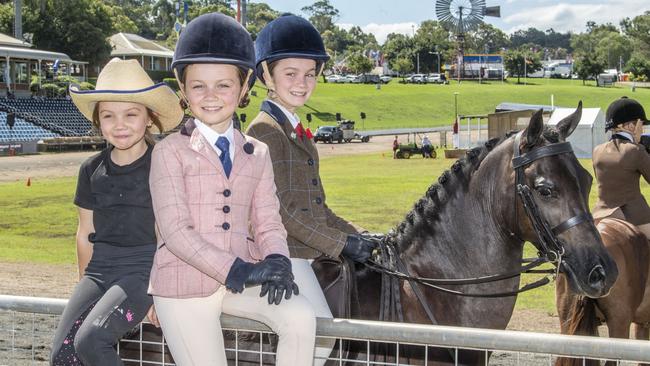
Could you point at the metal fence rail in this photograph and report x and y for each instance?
(507, 347)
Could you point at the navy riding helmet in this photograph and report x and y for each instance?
(215, 38)
(289, 36)
(624, 110)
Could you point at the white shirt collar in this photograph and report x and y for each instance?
(626, 135)
(292, 117)
(212, 136)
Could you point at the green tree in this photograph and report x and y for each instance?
(612, 47)
(258, 15)
(359, 63)
(487, 39)
(322, 15)
(588, 66)
(521, 62)
(79, 28)
(402, 66)
(639, 66)
(638, 29)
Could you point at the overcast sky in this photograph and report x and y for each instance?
(382, 17)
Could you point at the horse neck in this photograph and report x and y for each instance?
(471, 228)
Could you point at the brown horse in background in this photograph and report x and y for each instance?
(628, 300)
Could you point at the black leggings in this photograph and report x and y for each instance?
(96, 317)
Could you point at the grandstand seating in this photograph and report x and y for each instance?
(22, 131)
(57, 115)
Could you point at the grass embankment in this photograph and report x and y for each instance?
(375, 191)
(408, 105)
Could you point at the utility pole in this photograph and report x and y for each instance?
(18, 24)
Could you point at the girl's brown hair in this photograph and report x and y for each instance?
(242, 73)
(148, 137)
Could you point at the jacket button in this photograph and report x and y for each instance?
(319, 200)
(314, 181)
(225, 226)
(226, 209)
(227, 193)
(310, 161)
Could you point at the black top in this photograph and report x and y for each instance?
(119, 198)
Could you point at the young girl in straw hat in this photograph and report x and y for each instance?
(116, 238)
(222, 244)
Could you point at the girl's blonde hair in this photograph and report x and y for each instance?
(148, 137)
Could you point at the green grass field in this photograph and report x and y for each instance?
(374, 191)
(408, 105)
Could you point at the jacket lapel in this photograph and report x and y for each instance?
(279, 116)
(242, 158)
(201, 146)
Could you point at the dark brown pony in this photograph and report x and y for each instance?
(471, 223)
(628, 300)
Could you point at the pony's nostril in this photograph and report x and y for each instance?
(597, 276)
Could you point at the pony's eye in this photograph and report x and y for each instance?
(545, 192)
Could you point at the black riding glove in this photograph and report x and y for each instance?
(276, 290)
(274, 267)
(358, 248)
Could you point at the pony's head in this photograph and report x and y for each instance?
(552, 207)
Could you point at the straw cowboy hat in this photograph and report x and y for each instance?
(126, 81)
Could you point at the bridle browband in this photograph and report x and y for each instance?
(548, 244)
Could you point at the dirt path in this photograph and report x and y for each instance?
(54, 165)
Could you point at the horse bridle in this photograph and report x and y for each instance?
(548, 245)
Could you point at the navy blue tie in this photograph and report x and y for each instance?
(224, 145)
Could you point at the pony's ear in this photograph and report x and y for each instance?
(567, 125)
(534, 130)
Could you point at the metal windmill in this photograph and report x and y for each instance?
(461, 16)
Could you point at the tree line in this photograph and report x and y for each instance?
(80, 28)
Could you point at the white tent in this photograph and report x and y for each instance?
(589, 133)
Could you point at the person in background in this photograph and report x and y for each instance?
(395, 147)
(116, 238)
(455, 136)
(619, 164)
(427, 147)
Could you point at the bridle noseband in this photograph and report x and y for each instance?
(548, 244)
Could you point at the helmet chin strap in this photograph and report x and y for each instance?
(181, 87)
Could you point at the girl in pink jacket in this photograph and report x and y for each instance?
(213, 191)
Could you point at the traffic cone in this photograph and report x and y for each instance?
(29, 181)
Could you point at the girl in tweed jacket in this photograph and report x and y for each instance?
(290, 55)
(210, 185)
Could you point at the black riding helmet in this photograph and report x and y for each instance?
(624, 110)
(286, 37)
(215, 38)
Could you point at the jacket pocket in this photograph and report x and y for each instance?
(253, 249)
(163, 256)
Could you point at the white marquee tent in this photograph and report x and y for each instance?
(589, 132)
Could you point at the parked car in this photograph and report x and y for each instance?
(417, 79)
(354, 79)
(335, 78)
(385, 79)
(328, 134)
(435, 78)
(369, 79)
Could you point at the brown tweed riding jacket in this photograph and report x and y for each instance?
(618, 165)
(312, 228)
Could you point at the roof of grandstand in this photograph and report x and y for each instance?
(127, 44)
(6, 40)
(14, 48)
